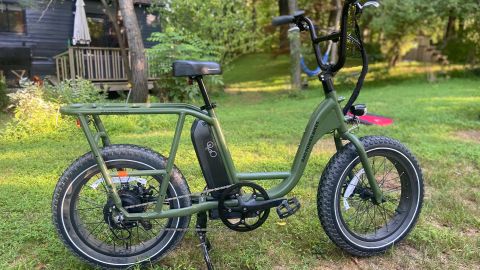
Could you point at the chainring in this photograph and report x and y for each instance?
(240, 218)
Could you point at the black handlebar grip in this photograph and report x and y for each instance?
(281, 20)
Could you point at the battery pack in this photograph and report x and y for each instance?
(209, 157)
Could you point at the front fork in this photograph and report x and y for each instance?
(364, 159)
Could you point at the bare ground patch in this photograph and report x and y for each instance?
(468, 135)
(402, 251)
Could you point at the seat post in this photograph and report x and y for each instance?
(208, 105)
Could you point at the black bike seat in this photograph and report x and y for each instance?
(182, 68)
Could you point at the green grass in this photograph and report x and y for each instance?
(4, 119)
(439, 122)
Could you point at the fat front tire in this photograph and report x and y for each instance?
(346, 206)
(85, 219)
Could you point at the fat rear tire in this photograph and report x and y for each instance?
(137, 158)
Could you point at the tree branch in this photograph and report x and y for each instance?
(45, 10)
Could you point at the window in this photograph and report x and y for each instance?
(102, 31)
(12, 18)
(96, 27)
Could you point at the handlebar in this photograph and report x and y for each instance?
(281, 20)
(305, 24)
(288, 19)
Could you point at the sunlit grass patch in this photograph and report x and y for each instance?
(263, 130)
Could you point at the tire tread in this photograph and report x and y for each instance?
(327, 189)
(117, 150)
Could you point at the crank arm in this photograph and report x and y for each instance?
(262, 205)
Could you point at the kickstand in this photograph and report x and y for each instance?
(201, 228)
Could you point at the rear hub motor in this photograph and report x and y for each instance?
(114, 218)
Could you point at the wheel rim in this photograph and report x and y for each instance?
(366, 223)
(88, 209)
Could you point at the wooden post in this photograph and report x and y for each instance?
(71, 59)
(57, 62)
(295, 50)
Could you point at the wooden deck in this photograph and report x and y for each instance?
(103, 66)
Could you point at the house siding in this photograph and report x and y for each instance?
(48, 33)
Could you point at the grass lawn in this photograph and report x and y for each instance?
(439, 122)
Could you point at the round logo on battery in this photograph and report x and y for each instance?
(211, 149)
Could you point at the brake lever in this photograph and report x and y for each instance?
(368, 4)
(360, 7)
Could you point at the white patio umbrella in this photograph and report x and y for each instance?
(81, 33)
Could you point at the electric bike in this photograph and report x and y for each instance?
(122, 205)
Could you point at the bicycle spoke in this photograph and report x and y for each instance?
(94, 230)
(124, 237)
(366, 219)
(90, 201)
(389, 171)
(91, 208)
(358, 214)
(392, 190)
(397, 177)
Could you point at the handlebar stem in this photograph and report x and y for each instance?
(316, 47)
(341, 36)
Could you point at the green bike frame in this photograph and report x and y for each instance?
(327, 118)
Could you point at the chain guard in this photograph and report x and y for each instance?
(241, 218)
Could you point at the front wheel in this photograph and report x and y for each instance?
(89, 224)
(346, 205)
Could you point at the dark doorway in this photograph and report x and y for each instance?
(15, 63)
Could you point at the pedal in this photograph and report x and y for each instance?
(288, 208)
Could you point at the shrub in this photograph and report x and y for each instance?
(232, 24)
(176, 45)
(3, 93)
(33, 114)
(74, 91)
(36, 107)
(461, 51)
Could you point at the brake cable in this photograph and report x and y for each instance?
(363, 73)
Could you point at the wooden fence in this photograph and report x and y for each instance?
(94, 64)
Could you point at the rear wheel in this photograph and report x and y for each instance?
(346, 205)
(89, 224)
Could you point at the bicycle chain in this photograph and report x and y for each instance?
(200, 194)
(204, 192)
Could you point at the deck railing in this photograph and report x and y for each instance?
(92, 63)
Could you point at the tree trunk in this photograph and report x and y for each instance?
(251, 43)
(394, 54)
(338, 17)
(295, 51)
(137, 52)
(284, 10)
(112, 16)
(449, 30)
(254, 15)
